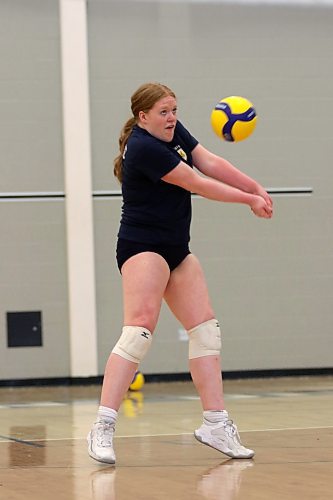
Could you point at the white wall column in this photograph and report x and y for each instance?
(78, 188)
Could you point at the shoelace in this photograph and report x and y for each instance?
(104, 434)
(231, 429)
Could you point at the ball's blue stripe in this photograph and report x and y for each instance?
(246, 116)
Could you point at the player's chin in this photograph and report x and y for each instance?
(169, 133)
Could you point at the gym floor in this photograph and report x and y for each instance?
(288, 421)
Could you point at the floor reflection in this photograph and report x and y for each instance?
(132, 405)
(102, 484)
(223, 481)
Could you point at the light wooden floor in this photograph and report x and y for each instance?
(288, 421)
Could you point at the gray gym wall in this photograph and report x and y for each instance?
(32, 229)
(270, 281)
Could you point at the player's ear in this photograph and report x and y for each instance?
(142, 116)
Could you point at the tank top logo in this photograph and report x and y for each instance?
(181, 152)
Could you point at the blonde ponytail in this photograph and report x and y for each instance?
(124, 135)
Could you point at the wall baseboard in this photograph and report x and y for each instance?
(169, 377)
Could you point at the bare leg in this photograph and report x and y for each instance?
(119, 373)
(188, 299)
(145, 277)
(207, 378)
(187, 296)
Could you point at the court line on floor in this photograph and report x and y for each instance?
(8, 439)
(240, 430)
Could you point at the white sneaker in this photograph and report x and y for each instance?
(224, 437)
(100, 442)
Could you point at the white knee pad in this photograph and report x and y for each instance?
(133, 343)
(205, 339)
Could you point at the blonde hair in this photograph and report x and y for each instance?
(143, 99)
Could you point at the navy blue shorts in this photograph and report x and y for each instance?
(172, 254)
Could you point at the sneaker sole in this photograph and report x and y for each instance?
(228, 453)
(101, 460)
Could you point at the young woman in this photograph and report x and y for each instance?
(155, 168)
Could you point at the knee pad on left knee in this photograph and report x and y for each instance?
(205, 339)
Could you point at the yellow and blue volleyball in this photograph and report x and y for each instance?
(233, 118)
(137, 382)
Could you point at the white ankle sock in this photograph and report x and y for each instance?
(107, 414)
(212, 417)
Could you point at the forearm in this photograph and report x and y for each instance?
(184, 176)
(225, 172)
(218, 191)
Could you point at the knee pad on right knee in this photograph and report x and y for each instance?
(133, 343)
(205, 339)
